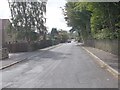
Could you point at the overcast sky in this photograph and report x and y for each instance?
(54, 14)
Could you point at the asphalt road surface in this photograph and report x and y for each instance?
(67, 66)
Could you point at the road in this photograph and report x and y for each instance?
(67, 66)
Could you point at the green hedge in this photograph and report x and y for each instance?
(107, 34)
(24, 47)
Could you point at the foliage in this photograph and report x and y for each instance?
(107, 34)
(54, 36)
(94, 19)
(79, 18)
(63, 36)
(27, 18)
(54, 32)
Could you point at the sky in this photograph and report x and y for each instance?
(54, 15)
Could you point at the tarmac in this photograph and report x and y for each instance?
(104, 59)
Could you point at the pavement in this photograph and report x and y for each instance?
(105, 59)
(66, 66)
(15, 58)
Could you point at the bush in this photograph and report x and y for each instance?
(17, 47)
(41, 44)
(107, 34)
(24, 47)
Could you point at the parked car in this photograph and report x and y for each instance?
(69, 41)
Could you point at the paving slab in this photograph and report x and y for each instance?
(15, 58)
(110, 59)
(106, 60)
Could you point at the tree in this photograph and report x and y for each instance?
(63, 36)
(98, 19)
(78, 17)
(105, 20)
(54, 35)
(54, 32)
(28, 18)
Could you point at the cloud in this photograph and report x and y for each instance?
(4, 10)
(54, 15)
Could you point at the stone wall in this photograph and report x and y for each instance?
(3, 53)
(110, 46)
(107, 45)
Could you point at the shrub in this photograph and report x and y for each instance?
(107, 34)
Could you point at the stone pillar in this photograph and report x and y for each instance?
(0, 39)
(3, 51)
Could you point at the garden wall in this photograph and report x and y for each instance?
(110, 46)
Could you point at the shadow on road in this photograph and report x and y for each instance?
(52, 55)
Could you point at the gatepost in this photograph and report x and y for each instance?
(3, 51)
